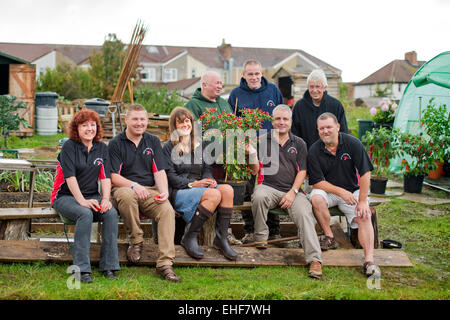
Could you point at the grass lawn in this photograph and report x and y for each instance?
(423, 230)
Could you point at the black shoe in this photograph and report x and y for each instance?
(86, 277)
(190, 239)
(109, 274)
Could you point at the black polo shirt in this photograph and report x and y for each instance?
(75, 161)
(344, 169)
(137, 164)
(292, 159)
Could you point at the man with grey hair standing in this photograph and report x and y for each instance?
(283, 188)
(208, 96)
(315, 101)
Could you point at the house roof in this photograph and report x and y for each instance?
(395, 71)
(32, 52)
(269, 57)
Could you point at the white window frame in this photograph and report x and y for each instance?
(170, 74)
(151, 74)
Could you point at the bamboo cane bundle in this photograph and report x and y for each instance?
(131, 56)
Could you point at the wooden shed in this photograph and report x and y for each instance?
(17, 78)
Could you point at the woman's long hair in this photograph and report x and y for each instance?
(80, 117)
(180, 114)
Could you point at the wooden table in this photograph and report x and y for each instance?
(28, 166)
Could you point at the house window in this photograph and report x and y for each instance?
(170, 74)
(193, 73)
(148, 75)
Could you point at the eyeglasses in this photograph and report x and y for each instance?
(315, 87)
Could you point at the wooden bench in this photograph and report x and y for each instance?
(334, 211)
(15, 223)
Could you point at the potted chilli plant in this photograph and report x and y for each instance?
(436, 124)
(382, 146)
(417, 160)
(233, 133)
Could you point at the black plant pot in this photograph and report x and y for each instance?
(239, 191)
(378, 186)
(378, 125)
(413, 184)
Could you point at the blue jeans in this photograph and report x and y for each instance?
(83, 217)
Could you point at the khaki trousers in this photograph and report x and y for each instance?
(265, 198)
(129, 206)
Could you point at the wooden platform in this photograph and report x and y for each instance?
(29, 251)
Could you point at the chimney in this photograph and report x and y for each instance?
(225, 50)
(411, 57)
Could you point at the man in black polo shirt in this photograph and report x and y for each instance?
(140, 185)
(339, 170)
(282, 174)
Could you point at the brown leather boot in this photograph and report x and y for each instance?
(134, 252)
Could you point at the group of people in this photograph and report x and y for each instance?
(139, 176)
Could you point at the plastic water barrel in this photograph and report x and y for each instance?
(46, 99)
(46, 120)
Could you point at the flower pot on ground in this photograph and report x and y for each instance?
(239, 191)
(382, 146)
(436, 174)
(413, 184)
(436, 124)
(417, 158)
(378, 186)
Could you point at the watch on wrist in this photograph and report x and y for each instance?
(295, 190)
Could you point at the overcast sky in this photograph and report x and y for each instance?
(357, 37)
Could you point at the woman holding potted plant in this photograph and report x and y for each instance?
(194, 192)
(382, 146)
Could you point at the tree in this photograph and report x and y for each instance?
(106, 66)
(9, 119)
(157, 100)
(66, 80)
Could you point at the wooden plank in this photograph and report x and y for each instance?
(28, 251)
(27, 213)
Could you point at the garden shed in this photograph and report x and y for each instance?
(432, 80)
(17, 78)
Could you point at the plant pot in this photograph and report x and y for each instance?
(363, 126)
(436, 174)
(413, 184)
(378, 125)
(239, 191)
(378, 186)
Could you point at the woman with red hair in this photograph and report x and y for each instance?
(82, 162)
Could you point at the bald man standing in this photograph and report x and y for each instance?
(208, 96)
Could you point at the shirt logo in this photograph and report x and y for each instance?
(345, 156)
(98, 162)
(148, 151)
(292, 150)
(270, 103)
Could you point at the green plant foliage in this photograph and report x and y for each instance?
(67, 80)
(436, 123)
(106, 67)
(19, 181)
(157, 100)
(236, 169)
(9, 119)
(382, 145)
(417, 154)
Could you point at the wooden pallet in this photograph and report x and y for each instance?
(29, 251)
